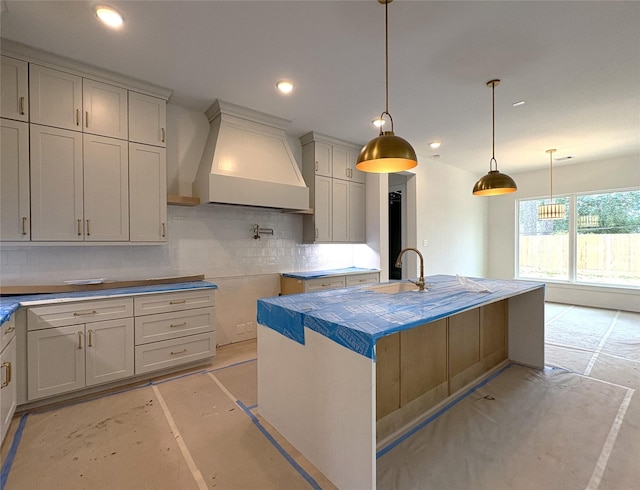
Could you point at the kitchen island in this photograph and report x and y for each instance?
(342, 373)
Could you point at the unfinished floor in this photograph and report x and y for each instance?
(574, 425)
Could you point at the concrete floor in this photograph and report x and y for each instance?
(203, 429)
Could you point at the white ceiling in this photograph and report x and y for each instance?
(575, 63)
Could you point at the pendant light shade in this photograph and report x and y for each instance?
(551, 211)
(495, 182)
(387, 153)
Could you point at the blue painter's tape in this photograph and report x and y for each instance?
(357, 317)
(12, 451)
(280, 449)
(328, 272)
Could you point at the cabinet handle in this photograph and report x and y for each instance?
(9, 330)
(325, 285)
(90, 338)
(79, 340)
(7, 367)
(83, 313)
(22, 106)
(86, 119)
(346, 171)
(79, 227)
(316, 232)
(24, 225)
(88, 232)
(183, 324)
(77, 117)
(177, 301)
(178, 352)
(164, 230)
(162, 129)
(316, 165)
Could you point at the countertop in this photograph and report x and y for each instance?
(9, 304)
(356, 317)
(329, 272)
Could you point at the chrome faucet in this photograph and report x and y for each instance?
(420, 281)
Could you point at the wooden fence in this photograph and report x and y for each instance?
(598, 256)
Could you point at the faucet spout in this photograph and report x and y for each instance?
(420, 281)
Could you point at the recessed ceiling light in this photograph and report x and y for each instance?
(285, 86)
(519, 103)
(377, 122)
(435, 144)
(109, 16)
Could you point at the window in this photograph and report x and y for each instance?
(598, 242)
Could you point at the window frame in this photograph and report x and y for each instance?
(573, 238)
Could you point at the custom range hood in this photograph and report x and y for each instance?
(247, 161)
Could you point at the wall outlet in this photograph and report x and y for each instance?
(250, 327)
(241, 328)
(424, 243)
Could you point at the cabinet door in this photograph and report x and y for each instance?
(356, 221)
(56, 184)
(355, 174)
(147, 119)
(147, 193)
(14, 181)
(55, 361)
(14, 100)
(340, 162)
(323, 159)
(8, 384)
(322, 209)
(55, 98)
(340, 211)
(109, 351)
(105, 109)
(106, 189)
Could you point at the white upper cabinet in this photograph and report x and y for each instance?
(14, 89)
(147, 193)
(15, 220)
(147, 119)
(336, 190)
(56, 185)
(106, 189)
(55, 98)
(105, 109)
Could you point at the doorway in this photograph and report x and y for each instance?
(397, 223)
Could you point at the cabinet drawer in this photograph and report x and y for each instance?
(41, 317)
(324, 283)
(178, 301)
(7, 332)
(362, 279)
(169, 353)
(165, 326)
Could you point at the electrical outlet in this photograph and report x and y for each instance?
(250, 327)
(241, 328)
(424, 243)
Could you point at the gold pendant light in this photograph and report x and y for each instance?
(387, 153)
(494, 183)
(551, 211)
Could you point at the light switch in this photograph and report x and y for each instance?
(424, 243)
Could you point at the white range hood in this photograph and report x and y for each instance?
(247, 161)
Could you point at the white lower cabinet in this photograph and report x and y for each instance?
(76, 345)
(70, 358)
(178, 328)
(8, 377)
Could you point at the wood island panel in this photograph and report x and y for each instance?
(387, 375)
(493, 334)
(464, 348)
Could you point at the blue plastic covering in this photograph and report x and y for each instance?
(330, 272)
(356, 317)
(9, 304)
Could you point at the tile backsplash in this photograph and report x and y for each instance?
(213, 240)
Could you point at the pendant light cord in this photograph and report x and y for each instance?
(493, 126)
(386, 54)
(550, 177)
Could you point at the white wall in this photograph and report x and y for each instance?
(614, 173)
(451, 219)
